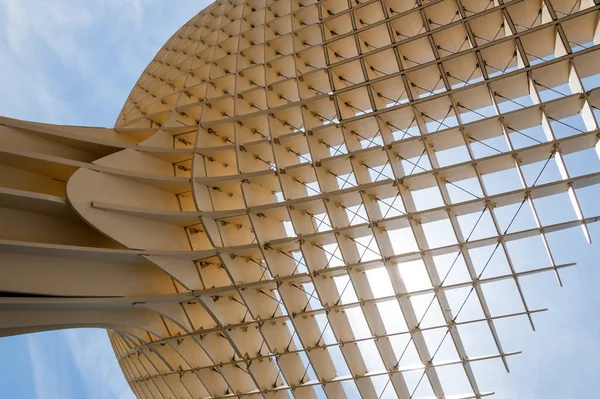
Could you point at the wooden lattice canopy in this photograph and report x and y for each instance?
(311, 199)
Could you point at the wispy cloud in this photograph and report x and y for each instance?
(53, 25)
(96, 362)
(75, 61)
(36, 35)
(75, 364)
(49, 380)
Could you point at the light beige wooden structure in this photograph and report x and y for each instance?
(290, 190)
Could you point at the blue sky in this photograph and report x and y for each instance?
(74, 62)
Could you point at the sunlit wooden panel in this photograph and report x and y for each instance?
(312, 199)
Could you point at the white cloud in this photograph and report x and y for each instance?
(75, 61)
(95, 360)
(49, 380)
(52, 24)
(71, 363)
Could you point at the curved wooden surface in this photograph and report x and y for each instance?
(280, 176)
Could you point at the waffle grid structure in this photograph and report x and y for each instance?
(311, 199)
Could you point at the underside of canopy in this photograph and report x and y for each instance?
(313, 199)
